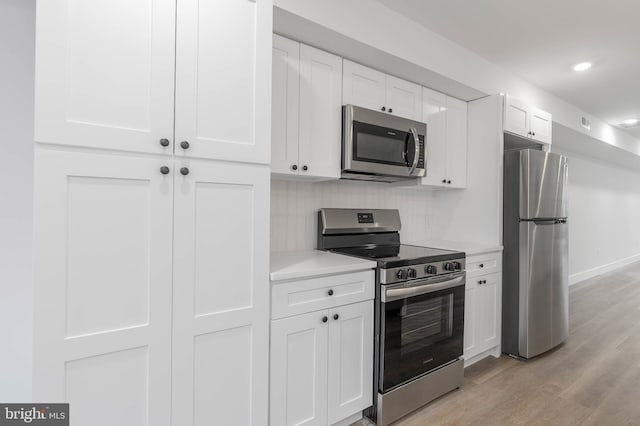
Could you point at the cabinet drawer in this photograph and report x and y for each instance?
(302, 296)
(487, 263)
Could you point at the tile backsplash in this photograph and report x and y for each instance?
(295, 205)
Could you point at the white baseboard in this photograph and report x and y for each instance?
(590, 273)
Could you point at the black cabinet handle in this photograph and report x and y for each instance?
(184, 145)
(330, 292)
(294, 167)
(184, 171)
(325, 319)
(444, 181)
(481, 265)
(164, 142)
(305, 168)
(390, 109)
(383, 109)
(533, 133)
(336, 316)
(164, 170)
(449, 182)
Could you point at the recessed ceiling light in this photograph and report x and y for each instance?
(631, 122)
(582, 66)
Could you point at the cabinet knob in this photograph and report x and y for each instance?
(383, 108)
(164, 142)
(336, 316)
(305, 168)
(480, 282)
(325, 319)
(533, 133)
(390, 109)
(330, 292)
(164, 170)
(184, 145)
(481, 265)
(449, 182)
(444, 181)
(294, 167)
(184, 171)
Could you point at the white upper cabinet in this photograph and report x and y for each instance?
(105, 74)
(363, 86)
(284, 104)
(446, 119)
(223, 79)
(307, 111)
(404, 98)
(526, 120)
(368, 88)
(320, 113)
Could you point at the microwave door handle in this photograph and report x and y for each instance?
(416, 156)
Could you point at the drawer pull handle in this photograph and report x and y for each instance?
(330, 292)
(481, 265)
(482, 282)
(336, 316)
(325, 319)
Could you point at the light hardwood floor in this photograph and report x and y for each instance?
(592, 379)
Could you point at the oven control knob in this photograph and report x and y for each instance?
(430, 269)
(457, 266)
(448, 266)
(411, 273)
(401, 274)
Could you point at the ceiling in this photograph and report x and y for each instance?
(541, 40)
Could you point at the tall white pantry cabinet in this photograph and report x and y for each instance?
(152, 210)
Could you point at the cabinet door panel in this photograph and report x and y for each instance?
(105, 73)
(299, 370)
(284, 105)
(220, 294)
(488, 313)
(363, 86)
(434, 113)
(516, 116)
(223, 89)
(320, 113)
(404, 98)
(103, 249)
(470, 322)
(350, 386)
(456, 143)
(541, 125)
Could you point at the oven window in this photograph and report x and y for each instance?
(419, 334)
(425, 322)
(377, 144)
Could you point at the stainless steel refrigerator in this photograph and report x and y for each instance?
(535, 302)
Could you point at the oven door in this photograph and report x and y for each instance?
(376, 143)
(422, 327)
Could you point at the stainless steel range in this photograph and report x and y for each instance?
(419, 310)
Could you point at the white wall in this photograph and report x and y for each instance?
(366, 20)
(17, 34)
(604, 219)
(295, 205)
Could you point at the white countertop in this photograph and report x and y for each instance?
(287, 265)
(470, 248)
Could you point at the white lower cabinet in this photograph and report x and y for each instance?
(145, 302)
(322, 365)
(483, 307)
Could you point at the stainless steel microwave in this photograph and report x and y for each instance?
(381, 147)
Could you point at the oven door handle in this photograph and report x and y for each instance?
(416, 156)
(392, 294)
